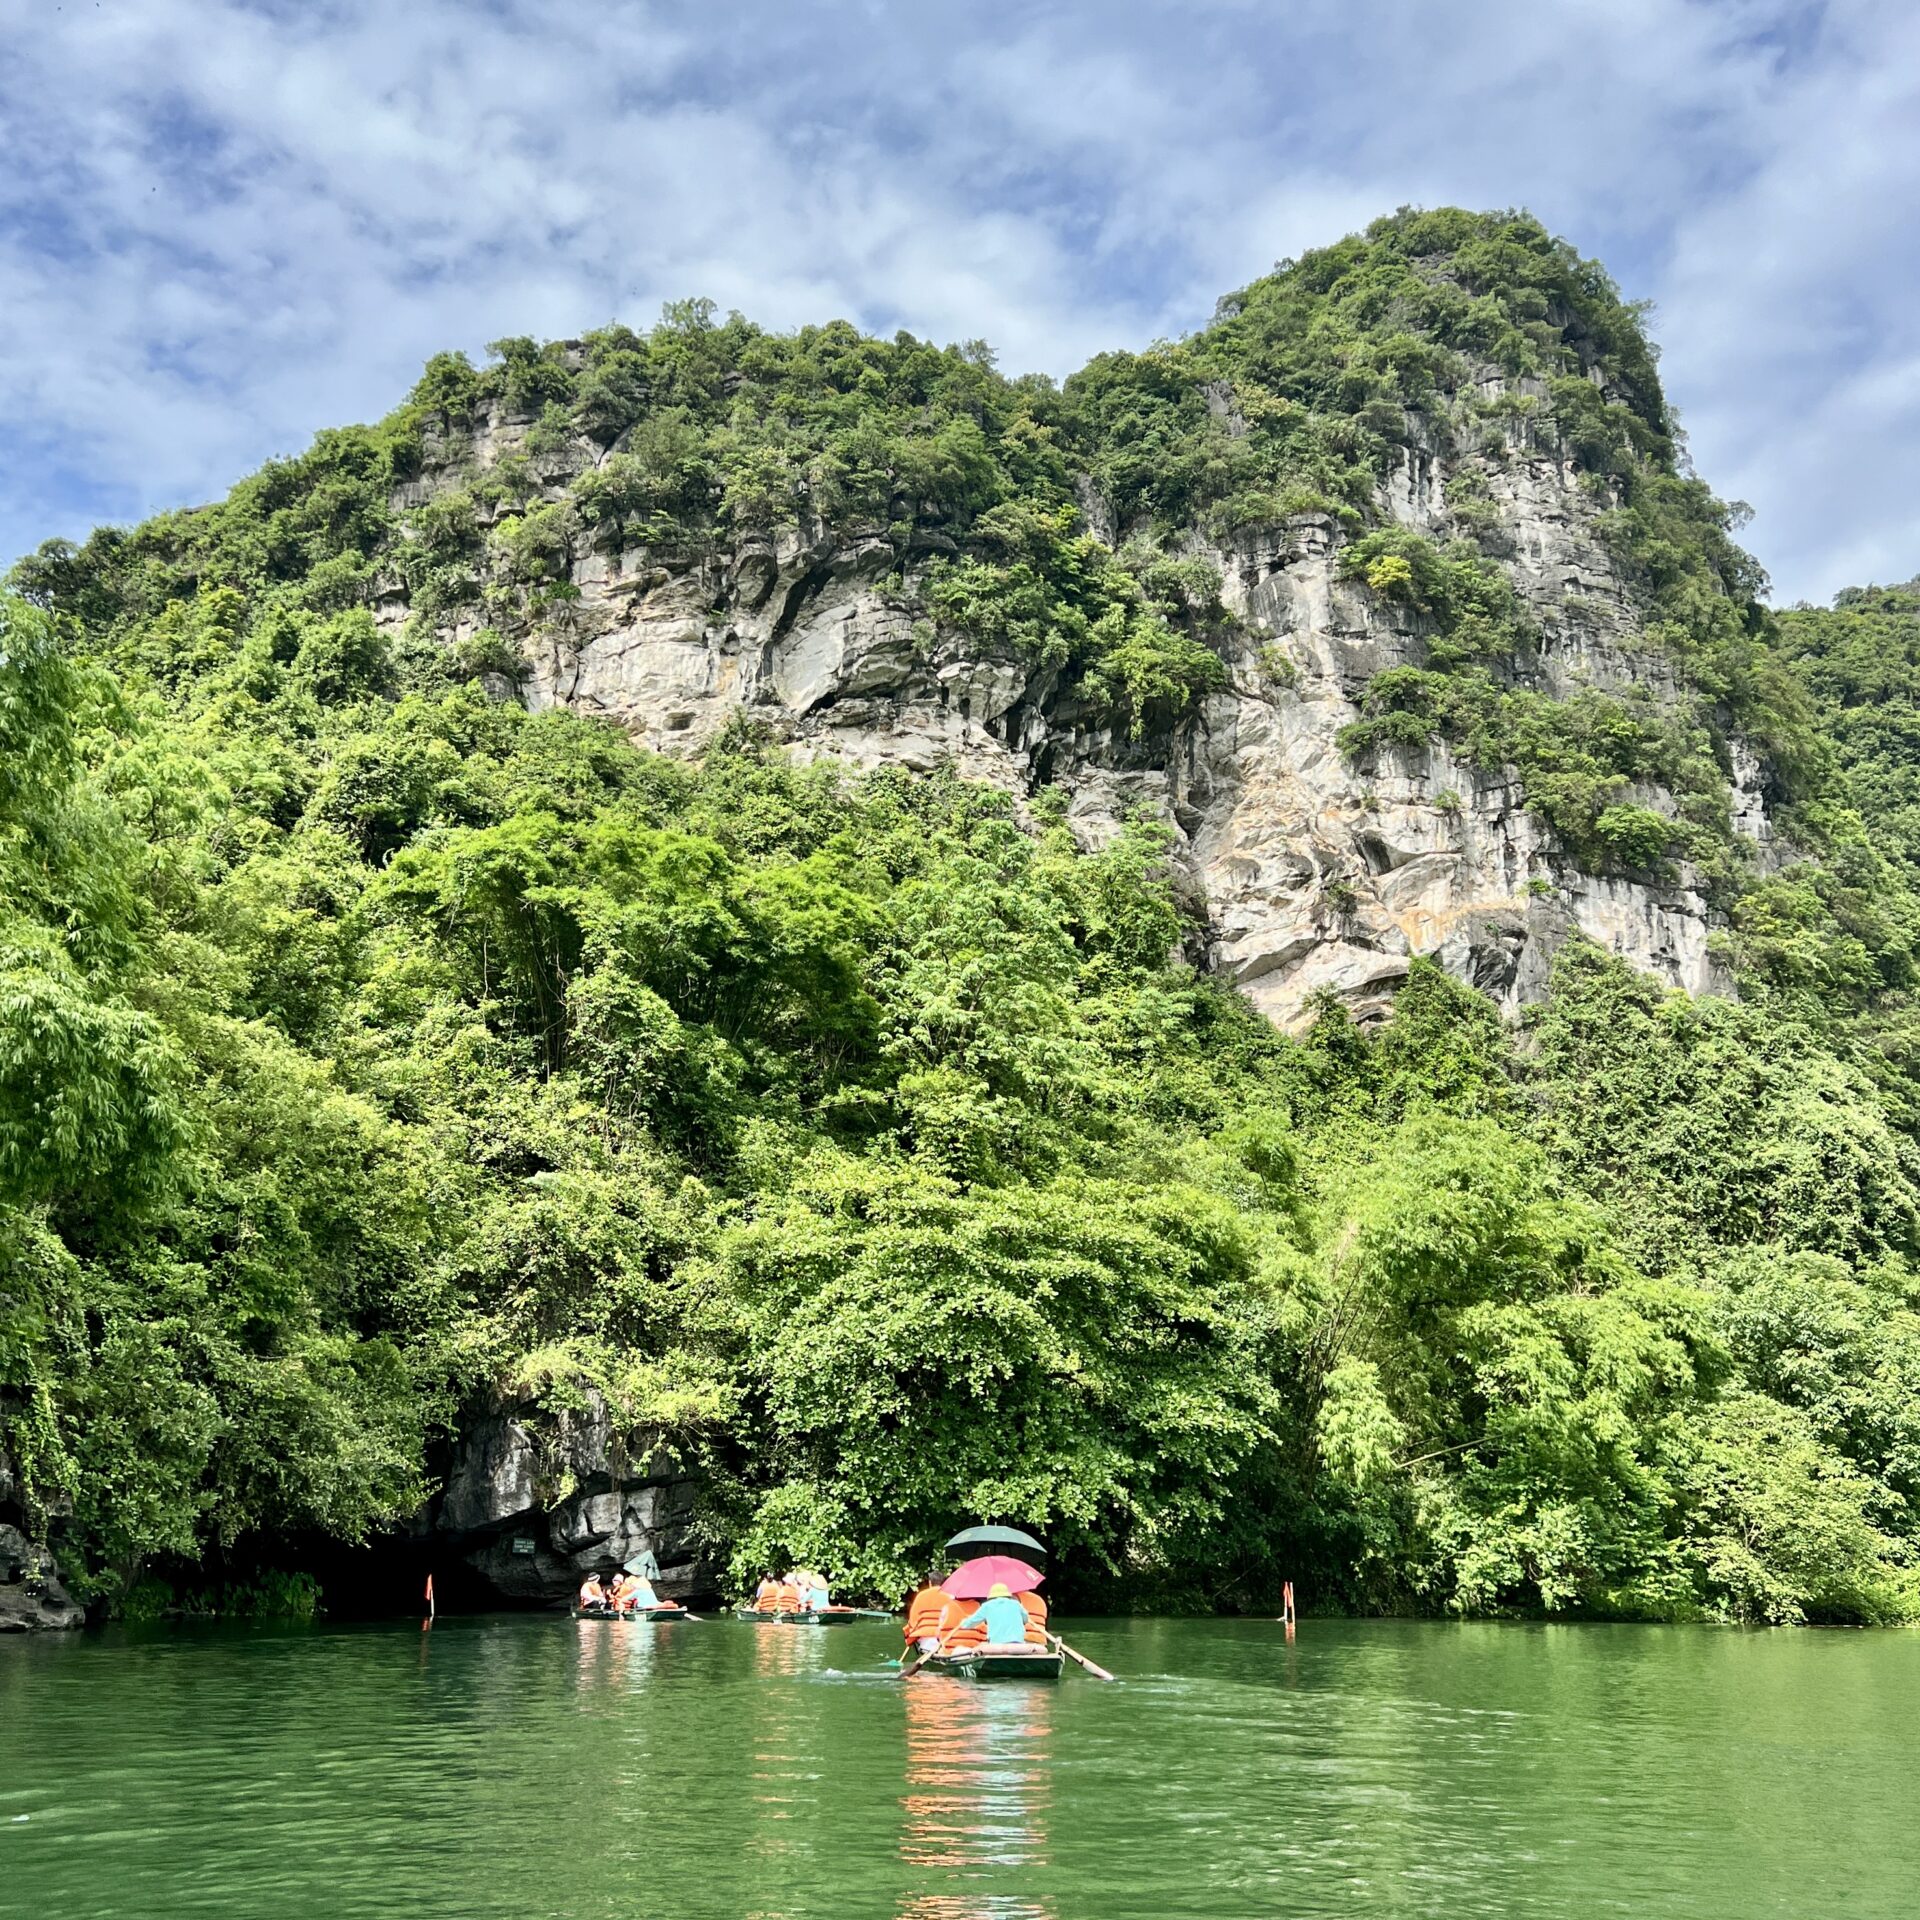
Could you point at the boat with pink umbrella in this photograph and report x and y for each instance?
(979, 1579)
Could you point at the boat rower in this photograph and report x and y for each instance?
(1002, 1617)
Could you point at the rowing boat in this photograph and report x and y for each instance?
(997, 1663)
(809, 1616)
(634, 1613)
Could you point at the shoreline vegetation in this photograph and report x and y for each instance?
(370, 1045)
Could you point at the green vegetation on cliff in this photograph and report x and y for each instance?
(369, 1045)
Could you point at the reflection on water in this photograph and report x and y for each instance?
(534, 1769)
(784, 1768)
(978, 1791)
(610, 1654)
(779, 1651)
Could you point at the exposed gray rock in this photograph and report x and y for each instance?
(534, 1502)
(494, 1478)
(1311, 872)
(31, 1596)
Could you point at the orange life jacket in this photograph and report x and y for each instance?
(924, 1611)
(786, 1599)
(1036, 1634)
(954, 1637)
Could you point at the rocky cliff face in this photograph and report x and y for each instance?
(1310, 872)
(533, 1503)
(32, 1595)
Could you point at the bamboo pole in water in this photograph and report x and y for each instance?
(1099, 1673)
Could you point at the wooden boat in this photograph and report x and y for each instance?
(809, 1616)
(998, 1663)
(634, 1613)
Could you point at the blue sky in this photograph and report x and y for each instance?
(225, 225)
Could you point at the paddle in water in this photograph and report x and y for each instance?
(1099, 1673)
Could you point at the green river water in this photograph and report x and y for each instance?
(527, 1766)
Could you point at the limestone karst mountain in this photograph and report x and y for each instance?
(1310, 865)
(708, 522)
(455, 979)
(1311, 869)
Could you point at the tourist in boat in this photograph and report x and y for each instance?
(1002, 1618)
(926, 1607)
(592, 1593)
(952, 1638)
(632, 1592)
(766, 1596)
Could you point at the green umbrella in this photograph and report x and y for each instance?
(645, 1565)
(982, 1539)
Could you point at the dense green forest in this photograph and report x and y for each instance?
(369, 1044)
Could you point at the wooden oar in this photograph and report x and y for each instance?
(1099, 1673)
(913, 1666)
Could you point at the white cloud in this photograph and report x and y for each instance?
(1791, 312)
(230, 224)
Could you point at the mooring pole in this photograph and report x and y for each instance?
(1286, 1607)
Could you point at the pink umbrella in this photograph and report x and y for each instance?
(975, 1579)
